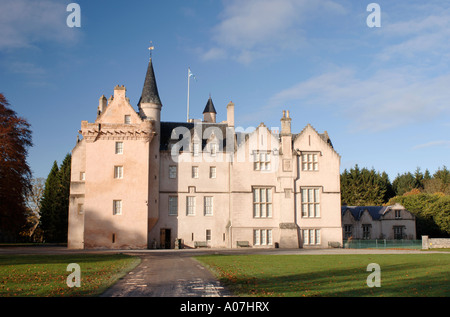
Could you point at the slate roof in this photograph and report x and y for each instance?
(150, 91)
(168, 127)
(210, 106)
(375, 211)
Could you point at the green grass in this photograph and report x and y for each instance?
(419, 275)
(46, 275)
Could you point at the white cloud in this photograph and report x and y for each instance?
(387, 99)
(25, 23)
(256, 28)
(440, 143)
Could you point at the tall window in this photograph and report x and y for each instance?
(348, 231)
(262, 237)
(311, 236)
(398, 232)
(262, 202)
(310, 162)
(118, 172)
(172, 171)
(213, 148)
(190, 206)
(366, 231)
(173, 206)
(119, 147)
(310, 203)
(212, 172)
(208, 205)
(127, 119)
(82, 176)
(261, 161)
(194, 171)
(117, 207)
(196, 149)
(208, 234)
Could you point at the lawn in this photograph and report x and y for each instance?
(404, 275)
(46, 275)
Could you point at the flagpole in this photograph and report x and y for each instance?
(188, 96)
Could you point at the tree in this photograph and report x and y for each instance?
(432, 212)
(363, 187)
(49, 203)
(33, 203)
(55, 202)
(15, 174)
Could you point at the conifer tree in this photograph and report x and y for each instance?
(55, 202)
(48, 212)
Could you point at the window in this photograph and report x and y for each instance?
(190, 206)
(173, 206)
(310, 162)
(398, 214)
(261, 161)
(119, 147)
(194, 171)
(80, 209)
(117, 207)
(118, 172)
(311, 236)
(262, 202)
(213, 148)
(348, 231)
(366, 231)
(127, 119)
(208, 205)
(196, 150)
(398, 232)
(212, 172)
(208, 234)
(262, 237)
(82, 176)
(172, 171)
(310, 203)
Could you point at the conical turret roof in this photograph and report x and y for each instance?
(209, 106)
(150, 91)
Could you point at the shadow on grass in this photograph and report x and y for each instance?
(344, 276)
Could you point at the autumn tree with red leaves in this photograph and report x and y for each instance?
(15, 174)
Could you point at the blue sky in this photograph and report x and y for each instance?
(382, 94)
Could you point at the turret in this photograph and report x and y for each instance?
(209, 114)
(150, 103)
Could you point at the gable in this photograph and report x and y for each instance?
(117, 108)
(310, 140)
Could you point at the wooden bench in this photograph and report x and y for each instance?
(242, 244)
(200, 244)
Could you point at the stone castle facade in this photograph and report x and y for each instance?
(140, 183)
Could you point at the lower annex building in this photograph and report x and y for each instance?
(139, 183)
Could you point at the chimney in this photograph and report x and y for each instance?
(286, 123)
(230, 114)
(102, 103)
(286, 135)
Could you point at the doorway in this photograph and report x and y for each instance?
(165, 238)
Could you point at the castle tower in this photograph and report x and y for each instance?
(150, 109)
(209, 114)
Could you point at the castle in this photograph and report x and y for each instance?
(139, 183)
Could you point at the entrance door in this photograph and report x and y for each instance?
(165, 238)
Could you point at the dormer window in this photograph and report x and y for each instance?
(196, 149)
